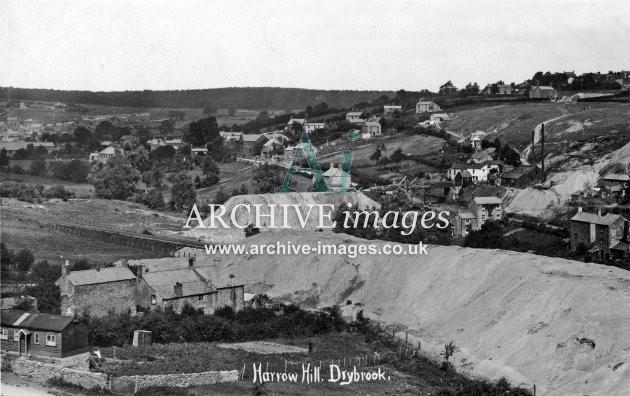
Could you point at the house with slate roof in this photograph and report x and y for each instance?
(42, 334)
(96, 292)
(603, 236)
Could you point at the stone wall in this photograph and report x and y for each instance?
(177, 380)
(42, 372)
(98, 299)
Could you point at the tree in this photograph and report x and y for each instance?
(397, 156)
(104, 130)
(77, 171)
(4, 158)
(114, 180)
(510, 156)
(83, 136)
(220, 197)
(154, 199)
(202, 131)
(376, 155)
(38, 167)
(268, 177)
(162, 153)
(46, 292)
(208, 166)
(183, 193)
(209, 109)
(490, 236)
(245, 191)
(7, 257)
(263, 116)
(81, 265)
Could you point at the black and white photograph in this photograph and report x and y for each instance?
(291, 197)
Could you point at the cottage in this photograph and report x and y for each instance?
(389, 111)
(42, 334)
(477, 172)
(439, 117)
(599, 234)
(249, 141)
(521, 176)
(96, 292)
(102, 156)
(480, 157)
(199, 151)
(427, 107)
(355, 117)
(311, 127)
(371, 129)
(486, 208)
(177, 286)
(334, 178)
(616, 184)
(542, 92)
(463, 223)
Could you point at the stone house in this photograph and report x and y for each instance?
(97, 291)
(463, 223)
(427, 107)
(42, 334)
(601, 235)
(616, 184)
(480, 157)
(177, 287)
(486, 208)
(542, 92)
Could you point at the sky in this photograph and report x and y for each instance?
(119, 45)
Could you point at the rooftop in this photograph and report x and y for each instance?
(104, 275)
(488, 201)
(36, 321)
(594, 218)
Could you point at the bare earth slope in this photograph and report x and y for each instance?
(562, 325)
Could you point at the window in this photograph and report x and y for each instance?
(201, 297)
(51, 340)
(36, 338)
(4, 334)
(16, 335)
(153, 299)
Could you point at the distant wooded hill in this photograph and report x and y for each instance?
(242, 98)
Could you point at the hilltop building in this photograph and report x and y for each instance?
(389, 111)
(542, 92)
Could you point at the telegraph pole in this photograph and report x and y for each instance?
(542, 155)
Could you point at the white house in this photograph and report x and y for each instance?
(478, 172)
(311, 127)
(427, 107)
(439, 117)
(355, 117)
(102, 156)
(231, 136)
(371, 129)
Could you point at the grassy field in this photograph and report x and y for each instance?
(80, 190)
(18, 233)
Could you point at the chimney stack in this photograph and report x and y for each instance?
(139, 275)
(98, 267)
(599, 211)
(177, 289)
(191, 262)
(579, 209)
(64, 269)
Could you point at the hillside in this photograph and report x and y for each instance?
(566, 122)
(527, 317)
(243, 98)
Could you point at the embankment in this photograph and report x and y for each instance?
(562, 325)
